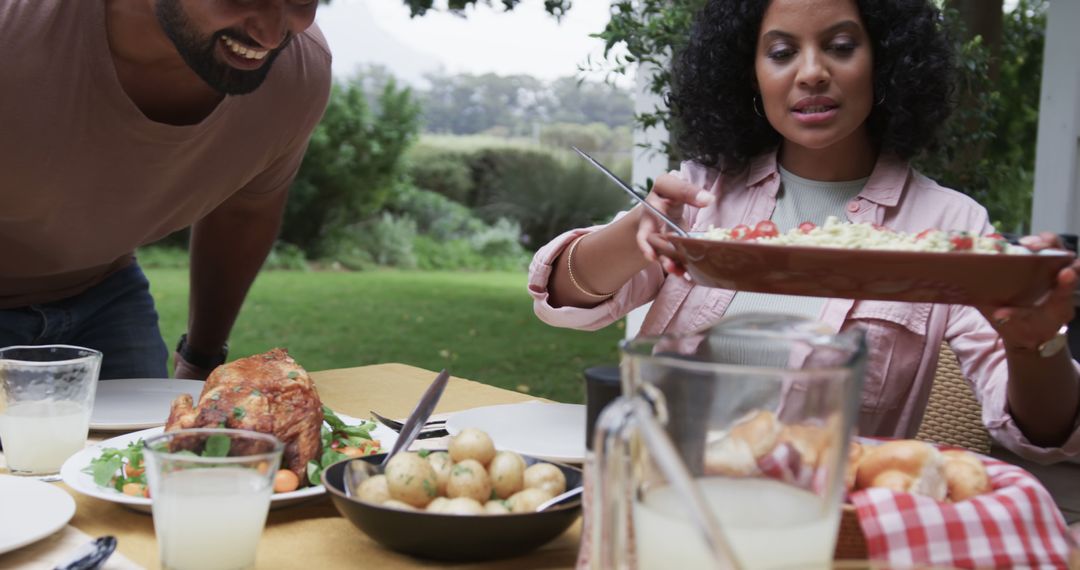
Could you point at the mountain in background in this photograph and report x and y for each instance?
(370, 44)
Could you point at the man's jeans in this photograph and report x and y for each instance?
(116, 317)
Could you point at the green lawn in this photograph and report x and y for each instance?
(480, 325)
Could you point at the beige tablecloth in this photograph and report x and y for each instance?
(314, 535)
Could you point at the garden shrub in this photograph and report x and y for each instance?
(286, 256)
(441, 171)
(384, 240)
(434, 213)
(353, 161)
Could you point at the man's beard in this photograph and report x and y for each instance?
(198, 52)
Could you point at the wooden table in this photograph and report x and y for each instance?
(313, 535)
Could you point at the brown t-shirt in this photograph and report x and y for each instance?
(86, 178)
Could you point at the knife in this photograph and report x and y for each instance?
(633, 194)
(420, 414)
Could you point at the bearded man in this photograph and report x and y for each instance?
(122, 121)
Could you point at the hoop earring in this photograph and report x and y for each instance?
(754, 104)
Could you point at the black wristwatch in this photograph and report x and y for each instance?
(201, 360)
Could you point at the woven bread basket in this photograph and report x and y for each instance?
(953, 418)
(850, 542)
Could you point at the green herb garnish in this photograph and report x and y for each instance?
(217, 446)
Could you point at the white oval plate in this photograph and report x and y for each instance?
(554, 432)
(138, 403)
(40, 509)
(72, 470)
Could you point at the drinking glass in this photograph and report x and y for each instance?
(211, 491)
(728, 447)
(46, 394)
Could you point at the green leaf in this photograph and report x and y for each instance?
(424, 453)
(330, 457)
(331, 418)
(314, 472)
(238, 412)
(217, 446)
(103, 470)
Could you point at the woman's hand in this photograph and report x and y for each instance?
(669, 194)
(1027, 328)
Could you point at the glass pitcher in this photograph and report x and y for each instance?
(728, 447)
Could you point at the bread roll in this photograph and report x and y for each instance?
(905, 465)
(965, 475)
(760, 430)
(809, 441)
(855, 453)
(737, 452)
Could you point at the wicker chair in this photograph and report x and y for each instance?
(953, 415)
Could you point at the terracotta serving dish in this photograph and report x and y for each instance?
(954, 278)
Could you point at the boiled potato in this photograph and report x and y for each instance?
(395, 504)
(411, 479)
(472, 443)
(469, 479)
(440, 461)
(463, 506)
(374, 490)
(507, 472)
(545, 476)
(496, 508)
(437, 505)
(526, 500)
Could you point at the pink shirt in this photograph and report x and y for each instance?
(903, 338)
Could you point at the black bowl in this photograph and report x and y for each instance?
(454, 537)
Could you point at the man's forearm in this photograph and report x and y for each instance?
(228, 247)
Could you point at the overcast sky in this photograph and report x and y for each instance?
(526, 40)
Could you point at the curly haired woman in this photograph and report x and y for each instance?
(793, 111)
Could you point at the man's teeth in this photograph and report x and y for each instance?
(242, 50)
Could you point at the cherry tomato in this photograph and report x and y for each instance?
(136, 490)
(285, 481)
(354, 451)
(807, 227)
(741, 231)
(133, 471)
(961, 242)
(766, 228)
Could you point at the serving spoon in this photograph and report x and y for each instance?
(559, 500)
(633, 194)
(356, 471)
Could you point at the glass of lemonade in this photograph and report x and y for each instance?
(46, 393)
(211, 492)
(728, 448)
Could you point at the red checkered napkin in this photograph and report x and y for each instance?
(786, 464)
(1016, 525)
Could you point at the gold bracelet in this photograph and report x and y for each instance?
(570, 271)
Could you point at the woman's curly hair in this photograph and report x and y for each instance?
(712, 94)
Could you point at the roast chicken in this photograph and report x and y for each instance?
(268, 393)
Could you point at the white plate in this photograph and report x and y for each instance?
(138, 403)
(41, 509)
(72, 470)
(555, 432)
